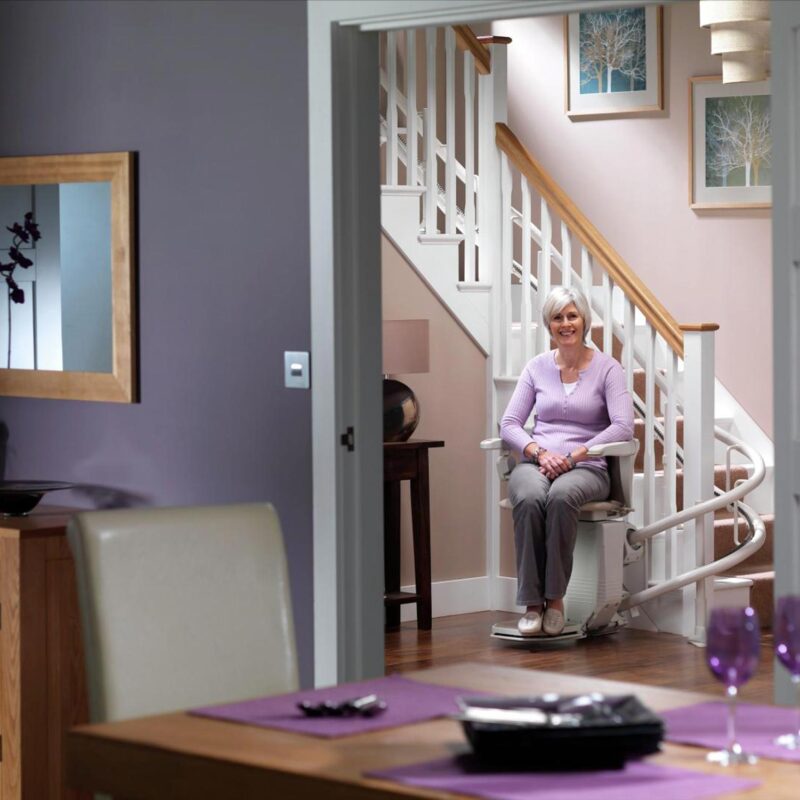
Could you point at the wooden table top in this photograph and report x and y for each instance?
(181, 756)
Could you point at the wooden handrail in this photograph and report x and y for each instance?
(591, 238)
(467, 40)
(700, 327)
(491, 39)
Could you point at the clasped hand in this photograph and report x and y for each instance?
(551, 465)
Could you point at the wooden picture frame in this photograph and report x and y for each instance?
(119, 384)
(732, 169)
(640, 66)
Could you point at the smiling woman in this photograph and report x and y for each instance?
(580, 400)
(66, 329)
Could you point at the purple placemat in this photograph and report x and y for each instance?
(639, 779)
(407, 701)
(705, 724)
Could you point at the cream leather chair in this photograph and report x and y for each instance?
(182, 607)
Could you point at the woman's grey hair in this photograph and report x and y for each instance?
(559, 298)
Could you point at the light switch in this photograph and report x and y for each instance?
(296, 370)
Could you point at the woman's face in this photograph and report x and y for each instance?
(566, 326)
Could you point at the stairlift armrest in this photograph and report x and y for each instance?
(492, 444)
(615, 449)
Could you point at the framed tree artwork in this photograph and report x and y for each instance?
(730, 144)
(614, 62)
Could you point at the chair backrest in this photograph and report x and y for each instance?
(182, 607)
(620, 473)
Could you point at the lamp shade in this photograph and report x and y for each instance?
(405, 346)
(740, 34)
(713, 12)
(739, 37)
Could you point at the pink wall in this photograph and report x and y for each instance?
(452, 397)
(630, 177)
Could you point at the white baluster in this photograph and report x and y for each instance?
(629, 344)
(431, 185)
(391, 109)
(649, 427)
(670, 462)
(492, 108)
(566, 256)
(412, 159)
(469, 168)
(526, 311)
(698, 466)
(586, 275)
(507, 249)
(608, 314)
(450, 119)
(543, 340)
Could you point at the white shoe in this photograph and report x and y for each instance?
(530, 624)
(553, 622)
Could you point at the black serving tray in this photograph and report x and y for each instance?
(560, 732)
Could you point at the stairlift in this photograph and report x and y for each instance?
(595, 589)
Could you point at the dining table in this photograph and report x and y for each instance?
(183, 755)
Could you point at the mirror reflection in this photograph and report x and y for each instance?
(67, 324)
(55, 252)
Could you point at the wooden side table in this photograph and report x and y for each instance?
(42, 680)
(407, 461)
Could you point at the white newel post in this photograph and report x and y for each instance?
(492, 108)
(698, 470)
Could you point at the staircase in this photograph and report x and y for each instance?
(491, 274)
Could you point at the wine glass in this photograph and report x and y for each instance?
(732, 641)
(787, 649)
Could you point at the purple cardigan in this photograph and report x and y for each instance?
(598, 411)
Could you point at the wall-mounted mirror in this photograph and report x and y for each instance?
(67, 327)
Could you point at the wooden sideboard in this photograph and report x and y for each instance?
(42, 680)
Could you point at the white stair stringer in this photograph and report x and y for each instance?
(435, 260)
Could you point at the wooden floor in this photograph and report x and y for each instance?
(659, 659)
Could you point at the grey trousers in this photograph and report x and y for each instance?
(546, 526)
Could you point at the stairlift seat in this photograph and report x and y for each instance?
(597, 509)
(595, 590)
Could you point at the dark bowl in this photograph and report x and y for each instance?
(20, 497)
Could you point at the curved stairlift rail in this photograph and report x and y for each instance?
(744, 551)
(713, 504)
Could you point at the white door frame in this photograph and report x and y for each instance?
(345, 309)
(785, 298)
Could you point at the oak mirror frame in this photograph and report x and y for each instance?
(116, 381)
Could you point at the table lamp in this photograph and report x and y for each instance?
(405, 350)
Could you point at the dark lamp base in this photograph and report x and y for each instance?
(400, 411)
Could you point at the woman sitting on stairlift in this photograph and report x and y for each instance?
(580, 399)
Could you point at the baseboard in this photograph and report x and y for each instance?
(463, 596)
(506, 595)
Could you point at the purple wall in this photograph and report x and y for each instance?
(213, 98)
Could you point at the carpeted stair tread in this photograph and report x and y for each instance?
(723, 542)
(761, 592)
(638, 433)
(639, 386)
(737, 472)
(597, 338)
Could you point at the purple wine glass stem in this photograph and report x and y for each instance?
(796, 682)
(733, 745)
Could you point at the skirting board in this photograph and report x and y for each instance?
(463, 596)
(505, 599)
